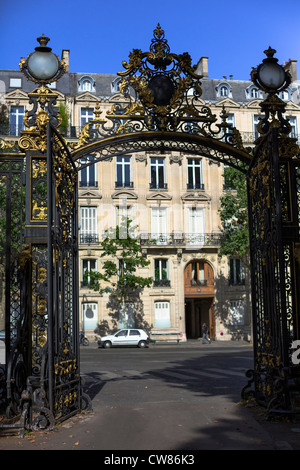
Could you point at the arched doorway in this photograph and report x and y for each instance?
(199, 295)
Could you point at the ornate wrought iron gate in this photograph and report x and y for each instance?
(63, 322)
(273, 197)
(42, 365)
(13, 312)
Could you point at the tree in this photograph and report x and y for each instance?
(234, 216)
(119, 270)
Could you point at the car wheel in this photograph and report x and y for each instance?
(107, 344)
(142, 344)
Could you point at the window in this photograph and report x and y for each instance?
(196, 233)
(284, 95)
(161, 274)
(88, 225)
(159, 225)
(87, 265)
(237, 313)
(157, 173)
(15, 82)
(223, 91)
(86, 83)
(198, 276)
(123, 172)
(162, 315)
(89, 316)
(124, 212)
(16, 116)
(88, 174)
(86, 115)
(253, 93)
(134, 333)
(194, 173)
(115, 86)
(293, 123)
(236, 272)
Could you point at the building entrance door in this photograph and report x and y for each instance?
(197, 312)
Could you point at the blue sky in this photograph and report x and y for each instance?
(101, 33)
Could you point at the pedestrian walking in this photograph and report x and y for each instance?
(205, 334)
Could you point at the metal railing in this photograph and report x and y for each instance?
(89, 238)
(177, 239)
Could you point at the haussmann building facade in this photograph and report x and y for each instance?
(174, 200)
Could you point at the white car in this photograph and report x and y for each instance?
(125, 337)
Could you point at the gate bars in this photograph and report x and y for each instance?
(273, 200)
(42, 373)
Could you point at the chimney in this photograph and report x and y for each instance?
(65, 56)
(291, 66)
(202, 67)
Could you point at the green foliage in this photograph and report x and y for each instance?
(120, 269)
(4, 120)
(63, 112)
(234, 215)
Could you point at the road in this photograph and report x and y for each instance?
(176, 397)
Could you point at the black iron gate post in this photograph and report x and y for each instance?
(273, 207)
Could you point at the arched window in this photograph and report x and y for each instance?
(224, 91)
(86, 83)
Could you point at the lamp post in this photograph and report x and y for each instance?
(271, 78)
(42, 66)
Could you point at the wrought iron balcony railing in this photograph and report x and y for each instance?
(126, 184)
(89, 238)
(161, 283)
(158, 185)
(177, 239)
(195, 186)
(88, 184)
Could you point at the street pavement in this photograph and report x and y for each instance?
(190, 404)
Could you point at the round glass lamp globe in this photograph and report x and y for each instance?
(43, 65)
(272, 75)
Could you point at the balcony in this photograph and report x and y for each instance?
(89, 238)
(180, 239)
(195, 186)
(158, 185)
(88, 184)
(127, 184)
(161, 283)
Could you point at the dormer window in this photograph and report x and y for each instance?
(224, 90)
(115, 85)
(253, 93)
(86, 83)
(285, 95)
